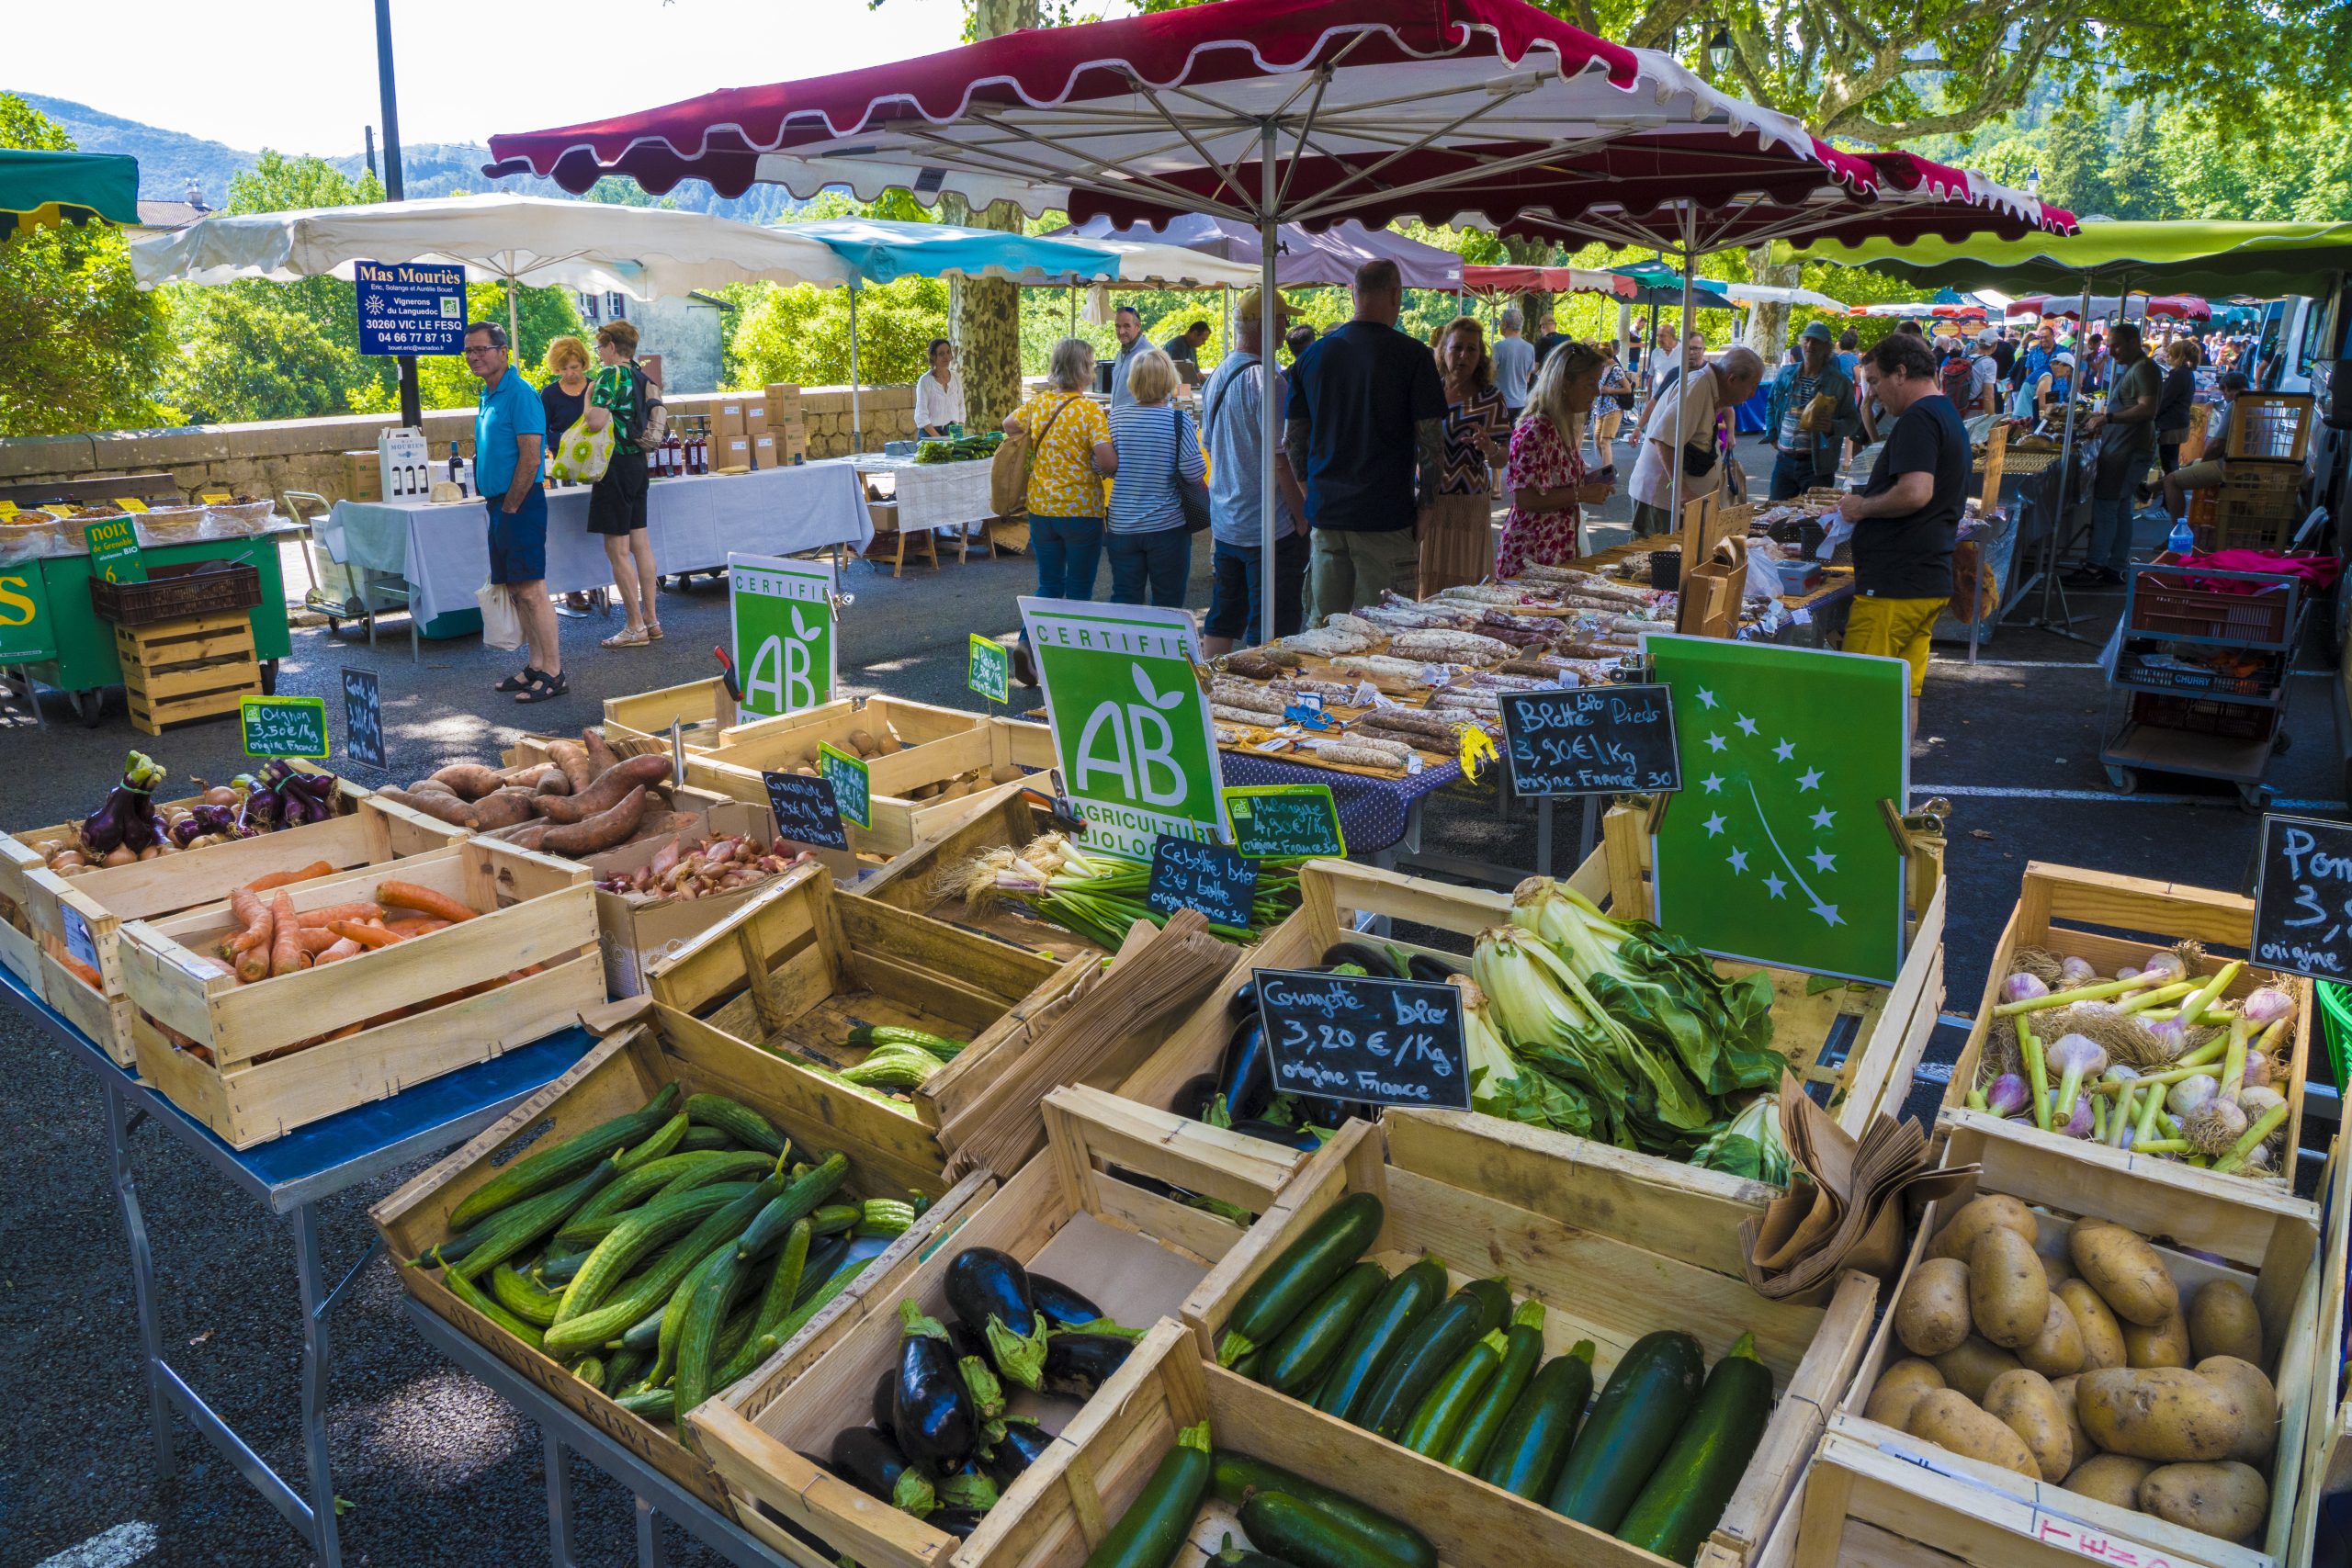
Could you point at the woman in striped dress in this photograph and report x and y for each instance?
(1459, 545)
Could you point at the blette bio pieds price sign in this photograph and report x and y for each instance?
(783, 613)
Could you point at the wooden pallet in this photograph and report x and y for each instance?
(177, 671)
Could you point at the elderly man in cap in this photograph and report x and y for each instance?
(1811, 411)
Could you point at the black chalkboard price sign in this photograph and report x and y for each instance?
(805, 810)
(1350, 1037)
(2302, 899)
(1212, 878)
(1591, 740)
(363, 717)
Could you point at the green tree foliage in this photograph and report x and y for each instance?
(80, 348)
(801, 334)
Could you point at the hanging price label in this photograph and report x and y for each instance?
(1352, 1037)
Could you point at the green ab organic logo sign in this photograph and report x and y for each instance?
(784, 632)
(1131, 724)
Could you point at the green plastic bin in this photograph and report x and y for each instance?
(2335, 1022)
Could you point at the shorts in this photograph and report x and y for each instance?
(1895, 628)
(617, 505)
(518, 544)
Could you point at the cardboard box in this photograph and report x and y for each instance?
(783, 401)
(637, 929)
(764, 449)
(730, 454)
(755, 412)
(362, 480)
(727, 417)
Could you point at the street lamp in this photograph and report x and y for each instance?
(1719, 49)
(2034, 182)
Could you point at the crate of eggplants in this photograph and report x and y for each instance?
(1038, 1332)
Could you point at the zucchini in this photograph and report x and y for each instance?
(651, 1287)
(1632, 1422)
(793, 1203)
(553, 1167)
(1296, 1361)
(1472, 1312)
(1155, 1525)
(522, 1298)
(1410, 1297)
(664, 1140)
(521, 1224)
(1235, 1477)
(1447, 1405)
(645, 1229)
(1299, 1533)
(738, 1121)
(1522, 1352)
(1527, 1452)
(1304, 1271)
(1685, 1496)
(466, 1290)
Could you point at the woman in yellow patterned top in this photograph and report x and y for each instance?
(1069, 453)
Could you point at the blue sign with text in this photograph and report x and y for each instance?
(410, 306)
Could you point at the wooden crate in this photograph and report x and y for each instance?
(87, 911)
(1880, 1496)
(792, 972)
(616, 1077)
(1067, 1215)
(1881, 1031)
(197, 668)
(1605, 1268)
(2327, 1468)
(2072, 912)
(537, 912)
(702, 709)
(918, 881)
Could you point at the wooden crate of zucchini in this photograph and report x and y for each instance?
(1043, 1287)
(2074, 1362)
(654, 1223)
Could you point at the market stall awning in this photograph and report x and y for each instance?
(1771, 293)
(880, 250)
(1655, 284)
(1302, 257)
(2199, 257)
(41, 190)
(2181, 307)
(1546, 281)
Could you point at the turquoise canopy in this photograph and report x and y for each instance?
(881, 250)
(43, 189)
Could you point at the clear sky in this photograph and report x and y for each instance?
(300, 76)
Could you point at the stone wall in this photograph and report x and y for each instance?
(268, 459)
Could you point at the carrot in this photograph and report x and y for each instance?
(343, 948)
(415, 928)
(81, 970)
(254, 963)
(315, 942)
(319, 919)
(285, 955)
(409, 895)
(366, 936)
(249, 908)
(282, 878)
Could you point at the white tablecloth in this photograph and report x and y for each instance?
(937, 495)
(443, 551)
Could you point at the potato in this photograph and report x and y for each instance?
(1898, 1389)
(2223, 1321)
(2111, 1478)
(2008, 1295)
(1947, 1419)
(1931, 1317)
(2228, 1499)
(2167, 1414)
(1978, 1216)
(2022, 1401)
(863, 742)
(2064, 1389)
(2166, 1345)
(2057, 1350)
(2257, 1402)
(2102, 1335)
(2128, 1274)
(1972, 1365)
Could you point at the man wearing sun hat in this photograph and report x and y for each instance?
(1811, 411)
(1233, 412)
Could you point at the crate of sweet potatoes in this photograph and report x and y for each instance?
(568, 798)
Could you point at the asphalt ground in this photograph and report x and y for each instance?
(435, 1468)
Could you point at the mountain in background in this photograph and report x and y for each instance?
(170, 160)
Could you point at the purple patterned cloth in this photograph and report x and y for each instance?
(1372, 811)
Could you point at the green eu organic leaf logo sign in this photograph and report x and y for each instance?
(784, 632)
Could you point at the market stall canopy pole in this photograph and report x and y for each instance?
(42, 190)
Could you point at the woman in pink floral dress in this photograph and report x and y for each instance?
(1546, 475)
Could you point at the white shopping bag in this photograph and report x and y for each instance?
(501, 626)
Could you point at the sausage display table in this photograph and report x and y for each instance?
(443, 552)
(289, 1177)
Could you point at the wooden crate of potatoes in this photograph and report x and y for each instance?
(2067, 916)
(927, 879)
(1088, 1214)
(252, 1060)
(702, 710)
(622, 1076)
(1626, 1295)
(197, 668)
(2161, 1411)
(81, 918)
(807, 973)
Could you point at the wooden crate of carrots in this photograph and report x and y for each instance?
(254, 1026)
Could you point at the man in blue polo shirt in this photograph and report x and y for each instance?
(510, 429)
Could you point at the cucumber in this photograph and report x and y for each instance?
(466, 1290)
(650, 1287)
(1235, 1477)
(1632, 1422)
(645, 1229)
(1299, 1533)
(1686, 1495)
(706, 1140)
(522, 1298)
(1410, 1297)
(1447, 1405)
(1472, 1312)
(870, 1035)
(654, 1404)
(506, 1234)
(553, 1167)
(1296, 1361)
(1522, 1352)
(799, 1200)
(1533, 1443)
(738, 1121)
(664, 1140)
(634, 1187)
(1155, 1525)
(1303, 1272)
(698, 1339)
(776, 1299)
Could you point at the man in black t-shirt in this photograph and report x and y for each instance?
(1907, 518)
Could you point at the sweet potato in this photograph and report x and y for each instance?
(471, 780)
(425, 900)
(440, 804)
(600, 831)
(607, 790)
(506, 807)
(551, 780)
(600, 756)
(526, 836)
(572, 758)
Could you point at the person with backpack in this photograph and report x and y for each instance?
(1811, 411)
(1233, 408)
(623, 399)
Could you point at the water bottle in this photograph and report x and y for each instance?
(2182, 541)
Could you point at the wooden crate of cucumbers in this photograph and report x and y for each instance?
(1473, 1401)
(610, 1090)
(2158, 1405)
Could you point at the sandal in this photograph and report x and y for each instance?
(626, 637)
(519, 682)
(543, 686)
(653, 631)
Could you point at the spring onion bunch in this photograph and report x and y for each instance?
(1098, 897)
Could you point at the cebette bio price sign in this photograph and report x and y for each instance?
(784, 632)
(1131, 722)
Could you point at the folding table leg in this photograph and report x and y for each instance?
(563, 1551)
(142, 1283)
(311, 1276)
(652, 1550)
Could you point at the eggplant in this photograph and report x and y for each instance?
(1243, 1003)
(874, 1464)
(1060, 1306)
(1078, 1364)
(126, 818)
(970, 1487)
(957, 1522)
(886, 1398)
(930, 1408)
(1372, 960)
(1245, 1074)
(1301, 1136)
(989, 1291)
(1191, 1102)
(964, 1342)
(1436, 968)
(1021, 1444)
